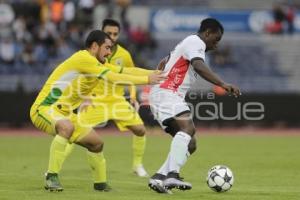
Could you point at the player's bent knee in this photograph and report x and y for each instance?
(192, 131)
(96, 148)
(64, 128)
(138, 130)
(189, 130)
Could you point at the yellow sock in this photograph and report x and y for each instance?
(69, 149)
(57, 154)
(98, 165)
(138, 145)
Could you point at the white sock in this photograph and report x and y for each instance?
(179, 151)
(187, 155)
(164, 169)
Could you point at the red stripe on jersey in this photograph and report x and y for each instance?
(176, 75)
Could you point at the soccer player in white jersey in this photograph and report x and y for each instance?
(182, 67)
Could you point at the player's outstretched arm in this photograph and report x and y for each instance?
(205, 72)
(137, 71)
(125, 79)
(129, 70)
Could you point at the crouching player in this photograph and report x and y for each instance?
(65, 90)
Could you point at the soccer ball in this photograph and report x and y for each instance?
(220, 178)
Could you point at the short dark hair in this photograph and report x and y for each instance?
(110, 22)
(212, 24)
(96, 36)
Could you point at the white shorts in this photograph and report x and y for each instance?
(165, 104)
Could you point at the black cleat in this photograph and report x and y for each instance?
(53, 183)
(173, 180)
(102, 187)
(159, 176)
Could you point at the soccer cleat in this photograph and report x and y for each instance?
(102, 187)
(156, 184)
(53, 183)
(174, 181)
(140, 171)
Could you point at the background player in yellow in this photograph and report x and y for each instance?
(109, 102)
(66, 88)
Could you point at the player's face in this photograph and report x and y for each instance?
(212, 40)
(104, 50)
(113, 32)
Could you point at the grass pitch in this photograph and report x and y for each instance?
(265, 167)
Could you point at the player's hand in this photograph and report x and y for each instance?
(232, 89)
(158, 71)
(85, 104)
(134, 103)
(156, 77)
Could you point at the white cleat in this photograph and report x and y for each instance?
(140, 171)
(171, 183)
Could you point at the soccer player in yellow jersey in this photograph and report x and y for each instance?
(109, 102)
(66, 88)
(124, 115)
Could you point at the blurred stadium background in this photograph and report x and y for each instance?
(259, 51)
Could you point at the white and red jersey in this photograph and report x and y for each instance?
(179, 71)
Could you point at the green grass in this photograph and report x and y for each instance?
(265, 168)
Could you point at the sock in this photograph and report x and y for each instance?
(98, 166)
(179, 151)
(187, 155)
(164, 169)
(69, 149)
(57, 154)
(138, 147)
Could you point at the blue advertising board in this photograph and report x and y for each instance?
(188, 20)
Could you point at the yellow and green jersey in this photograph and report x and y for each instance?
(109, 91)
(72, 81)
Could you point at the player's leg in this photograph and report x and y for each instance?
(138, 147)
(96, 160)
(61, 159)
(171, 127)
(127, 118)
(161, 174)
(84, 119)
(179, 151)
(64, 129)
(68, 150)
(61, 130)
(164, 106)
(173, 114)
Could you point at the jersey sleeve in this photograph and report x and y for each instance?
(137, 71)
(92, 68)
(125, 79)
(194, 48)
(114, 68)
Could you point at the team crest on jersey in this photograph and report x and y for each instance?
(119, 61)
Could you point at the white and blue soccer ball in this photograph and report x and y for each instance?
(220, 178)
